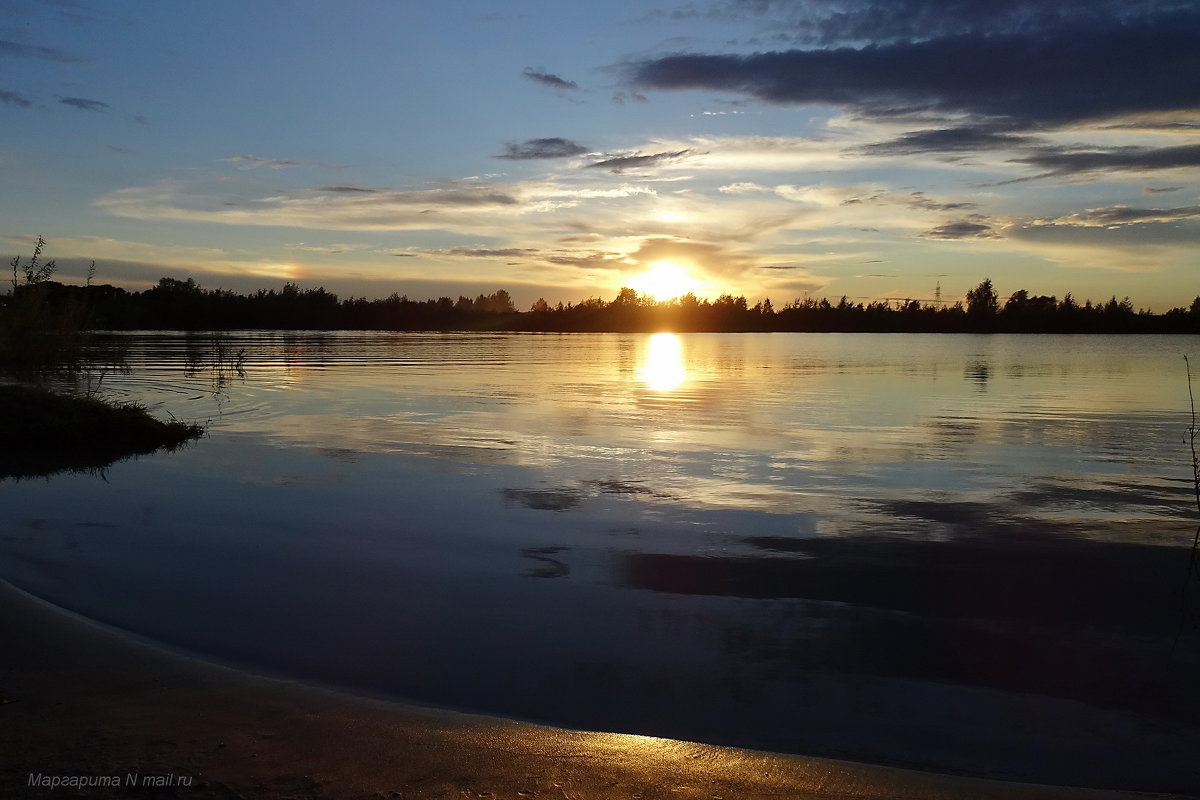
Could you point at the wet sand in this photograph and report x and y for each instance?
(83, 701)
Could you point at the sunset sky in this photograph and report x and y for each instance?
(772, 148)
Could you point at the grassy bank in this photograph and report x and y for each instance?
(46, 432)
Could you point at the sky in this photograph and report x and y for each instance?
(878, 149)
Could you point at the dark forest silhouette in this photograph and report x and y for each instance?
(183, 305)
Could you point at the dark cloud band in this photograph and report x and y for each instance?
(14, 99)
(1072, 73)
(961, 230)
(19, 50)
(84, 104)
(1123, 215)
(945, 140)
(831, 22)
(554, 147)
(636, 161)
(1058, 161)
(549, 79)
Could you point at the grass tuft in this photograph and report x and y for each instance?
(46, 432)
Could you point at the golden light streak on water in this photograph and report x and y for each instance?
(662, 366)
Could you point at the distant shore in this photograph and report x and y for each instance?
(184, 305)
(82, 706)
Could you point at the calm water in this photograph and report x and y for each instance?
(802, 542)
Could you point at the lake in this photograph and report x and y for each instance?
(957, 551)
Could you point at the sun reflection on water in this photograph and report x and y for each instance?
(662, 367)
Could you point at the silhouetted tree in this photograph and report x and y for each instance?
(982, 301)
(182, 304)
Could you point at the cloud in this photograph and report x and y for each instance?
(1132, 158)
(250, 162)
(1160, 189)
(577, 259)
(742, 187)
(849, 196)
(1098, 68)
(827, 22)
(944, 140)
(618, 164)
(1142, 247)
(113, 255)
(485, 252)
(554, 147)
(330, 249)
(963, 229)
(619, 98)
(83, 103)
(713, 260)
(925, 202)
(19, 50)
(466, 208)
(548, 79)
(1122, 215)
(14, 99)
(706, 260)
(341, 188)
(1132, 242)
(588, 259)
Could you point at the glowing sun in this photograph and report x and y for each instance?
(665, 280)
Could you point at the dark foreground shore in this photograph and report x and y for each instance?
(80, 704)
(48, 432)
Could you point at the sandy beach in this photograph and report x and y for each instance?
(83, 705)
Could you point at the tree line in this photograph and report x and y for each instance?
(184, 305)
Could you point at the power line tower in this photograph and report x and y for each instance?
(937, 294)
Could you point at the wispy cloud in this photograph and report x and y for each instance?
(250, 162)
(944, 140)
(742, 187)
(84, 104)
(1132, 158)
(487, 252)
(320, 208)
(15, 99)
(1148, 247)
(18, 50)
(739, 154)
(923, 201)
(549, 79)
(553, 147)
(153, 259)
(326, 249)
(1123, 215)
(963, 229)
(344, 188)
(621, 163)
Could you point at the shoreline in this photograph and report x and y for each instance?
(78, 699)
(55, 431)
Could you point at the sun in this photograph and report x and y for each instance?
(665, 280)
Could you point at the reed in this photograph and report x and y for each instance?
(1194, 556)
(43, 431)
(37, 336)
(1186, 613)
